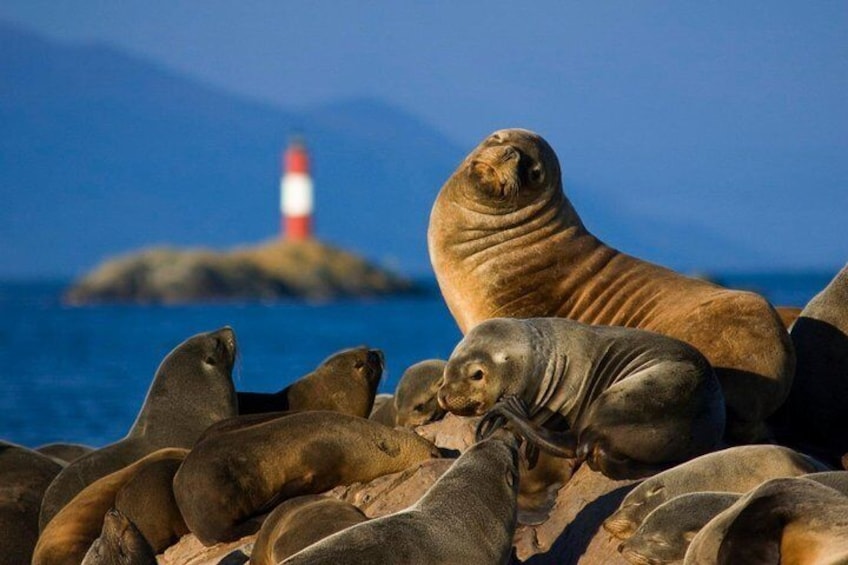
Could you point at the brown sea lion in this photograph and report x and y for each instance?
(629, 401)
(468, 517)
(64, 452)
(345, 382)
(788, 520)
(191, 390)
(818, 402)
(68, 536)
(505, 241)
(234, 475)
(299, 522)
(736, 470)
(24, 476)
(416, 396)
(120, 543)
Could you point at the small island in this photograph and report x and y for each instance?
(281, 269)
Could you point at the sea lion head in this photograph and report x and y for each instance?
(510, 168)
(362, 361)
(493, 360)
(416, 398)
(120, 543)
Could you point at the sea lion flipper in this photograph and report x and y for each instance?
(514, 411)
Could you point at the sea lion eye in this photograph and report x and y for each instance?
(536, 174)
(477, 375)
(210, 360)
(419, 408)
(358, 365)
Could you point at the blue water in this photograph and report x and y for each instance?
(80, 374)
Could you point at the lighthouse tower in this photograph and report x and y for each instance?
(296, 193)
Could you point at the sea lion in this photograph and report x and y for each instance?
(736, 469)
(468, 516)
(192, 389)
(120, 543)
(632, 401)
(64, 452)
(818, 402)
(666, 532)
(416, 396)
(345, 382)
(383, 410)
(786, 520)
(234, 475)
(24, 476)
(505, 241)
(299, 522)
(68, 536)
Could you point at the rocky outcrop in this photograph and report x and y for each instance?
(281, 269)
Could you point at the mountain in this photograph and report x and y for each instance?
(102, 152)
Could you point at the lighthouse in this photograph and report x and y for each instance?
(296, 193)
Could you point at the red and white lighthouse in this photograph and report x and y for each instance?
(296, 193)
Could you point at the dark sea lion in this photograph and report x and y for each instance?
(383, 410)
(24, 476)
(64, 452)
(416, 396)
(505, 241)
(191, 390)
(299, 522)
(120, 543)
(788, 520)
(667, 531)
(818, 402)
(736, 470)
(344, 382)
(467, 517)
(234, 475)
(68, 536)
(631, 401)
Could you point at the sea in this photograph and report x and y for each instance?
(80, 373)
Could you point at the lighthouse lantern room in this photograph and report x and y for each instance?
(296, 199)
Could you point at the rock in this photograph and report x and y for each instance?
(189, 551)
(279, 269)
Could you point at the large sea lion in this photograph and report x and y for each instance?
(344, 382)
(24, 476)
(468, 516)
(68, 536)
(191, 390)
(505, 241)
(736, 469)
(416, 395)
(818, 402)
(631, 401)
(788, 520)
(234, 475)
(120, 543)
(299, 522)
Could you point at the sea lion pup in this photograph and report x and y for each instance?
(468, 516)
(344, 382)
(667, 531)
(383, 410)
(192, 389)
(505, 241)
(120, 543)
(632, 401)
(736, 469)
(818, 402)
(416, 396)
(788, 520)
(24, 476)
(69, 535)
(64, 452)
(299, 522)
(232, 476)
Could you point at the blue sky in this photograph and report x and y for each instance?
(722, 109)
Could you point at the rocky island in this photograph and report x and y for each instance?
(280, 269)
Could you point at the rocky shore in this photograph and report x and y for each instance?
(273, 270)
